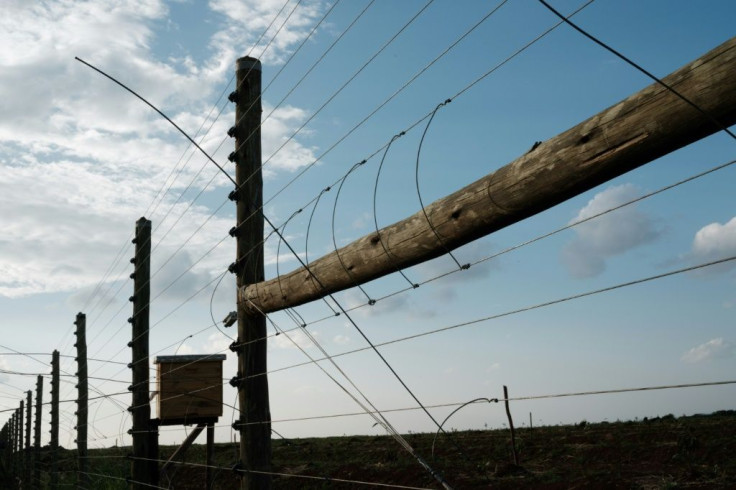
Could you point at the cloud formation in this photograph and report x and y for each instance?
(609, 235)
(80, 159)
(716, 241)
(713, 349)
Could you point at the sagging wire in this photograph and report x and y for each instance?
(419, 193)
(375, 214)
(334, 240)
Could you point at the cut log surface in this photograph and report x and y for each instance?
(633, 132)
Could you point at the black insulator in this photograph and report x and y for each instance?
(233, 97)
(232, 156)
(233, 231)
(132, 298)
(231, 132)
(233, 196)
(132, 261)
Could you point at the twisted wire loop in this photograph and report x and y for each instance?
(371, 301)
(419, 193)
(476, 400)
(375, 215)
(306, 249)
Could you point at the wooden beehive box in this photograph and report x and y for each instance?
(189, 388)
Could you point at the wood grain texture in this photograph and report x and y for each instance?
(191, 391)
(645, 126)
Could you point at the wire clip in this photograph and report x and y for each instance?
(230, 319)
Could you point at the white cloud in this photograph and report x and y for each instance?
(609, 235)
(341, 339)
(80, 158)
(713, 349)
(715, 241)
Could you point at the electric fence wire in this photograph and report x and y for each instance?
(520, 310)
(467, 87)
(413, 125)
(657, 80)
(556, 231)
(203, 137)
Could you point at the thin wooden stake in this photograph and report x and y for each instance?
(511, 424)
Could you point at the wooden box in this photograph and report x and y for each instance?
(189, 388)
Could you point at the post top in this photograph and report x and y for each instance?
(248, 63)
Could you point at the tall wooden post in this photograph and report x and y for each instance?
(255, 415)
(5, 444)
(27, 452)
(82, 401)
(54, 444)
(144, 472)
(19, 460)
(14, 444)
(37, 434)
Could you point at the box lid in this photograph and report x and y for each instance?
(189, 358)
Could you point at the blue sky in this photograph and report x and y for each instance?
(81, 161)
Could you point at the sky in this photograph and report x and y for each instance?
(81, 160)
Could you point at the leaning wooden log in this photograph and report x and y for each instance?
(633, 132)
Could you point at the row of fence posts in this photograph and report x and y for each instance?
(251, 346)
(22, 462)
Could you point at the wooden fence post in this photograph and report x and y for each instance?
(144, 468)
(54, 444)
(37, 434)
(15, 443)
(19, 460)
(27, 452)
(511, 425)
(82, 401)
(255, 414)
